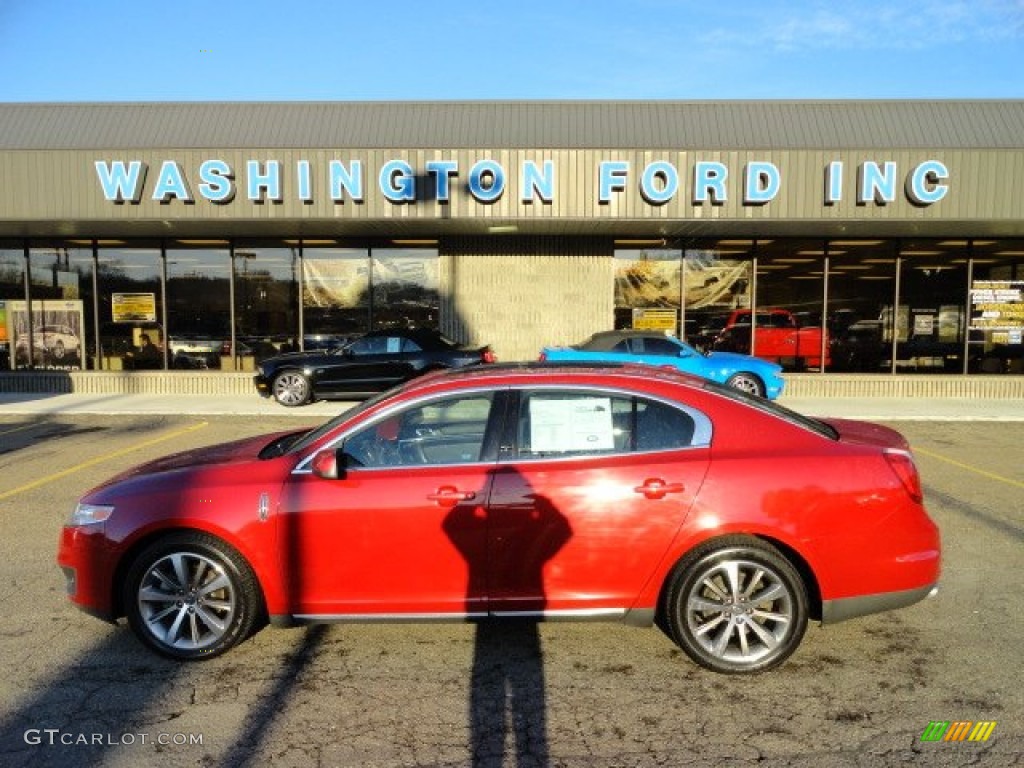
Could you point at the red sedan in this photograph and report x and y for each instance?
(535, 490)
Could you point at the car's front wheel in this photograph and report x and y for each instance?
(747, 382)
(190, 596)
(291, 388)
(736, 605)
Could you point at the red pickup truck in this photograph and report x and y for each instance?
(778, 337)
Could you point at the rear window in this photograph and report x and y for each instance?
(780, 411)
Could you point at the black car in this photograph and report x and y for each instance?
(363, 367)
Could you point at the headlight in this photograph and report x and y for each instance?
(89, 514)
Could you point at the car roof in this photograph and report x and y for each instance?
(605, 340)
(564, 372)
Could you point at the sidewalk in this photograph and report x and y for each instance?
(871, 409)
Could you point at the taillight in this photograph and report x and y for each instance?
(902, 464)
(488, 356)
(543, 357)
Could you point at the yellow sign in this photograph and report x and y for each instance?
(133, 307)
(654, 319)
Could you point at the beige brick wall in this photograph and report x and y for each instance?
(520, 295)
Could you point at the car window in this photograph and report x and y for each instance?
(567, 424)
(447, 431)
(658, 346)
(408, 345)
(381, 345)
(622, 346)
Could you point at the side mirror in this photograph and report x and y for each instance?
(326, 464)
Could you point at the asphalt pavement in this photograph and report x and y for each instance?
(870, 408)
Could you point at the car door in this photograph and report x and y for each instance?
(590, 490)
(369, 364)
(402, 532)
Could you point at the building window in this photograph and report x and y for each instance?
(996, 307)
(405, 288)
(199, 306)
(648, 290)
(130, 306)
(266, 283)
(349, 291)
(862, 289)
(931, 312)
(335, 294)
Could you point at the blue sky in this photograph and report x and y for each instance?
(311, 50)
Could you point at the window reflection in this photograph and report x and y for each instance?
(862, 285)
(266, 308)
(996, 308)
(12, 288)
(130, 306)
(199, 307)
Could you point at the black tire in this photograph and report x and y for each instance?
(291, 388)
(750, 621)
(216, 607)
(747, 382)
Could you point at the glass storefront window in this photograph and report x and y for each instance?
(405, 288)
(787, 327)
(266, 300)
(862, 288)
(717, 280)
(12, 288)
(62, 307)
(199, 306)
(996, 307)
(130, 307)
(648, 279)
(930, 320)
(335, 294)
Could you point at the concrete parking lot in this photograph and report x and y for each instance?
(75, 691)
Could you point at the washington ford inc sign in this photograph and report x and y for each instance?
(487, 180)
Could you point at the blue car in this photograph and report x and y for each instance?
(759, 377)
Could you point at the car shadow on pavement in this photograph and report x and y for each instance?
(91, 708)
(246, 749)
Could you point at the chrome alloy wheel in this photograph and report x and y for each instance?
(746, 382)
(740, 611)
(187, 601)
(291, 388)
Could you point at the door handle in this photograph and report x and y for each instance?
(449, 496)
(655, 488)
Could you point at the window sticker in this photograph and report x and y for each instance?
(576, 424)
(394, 344)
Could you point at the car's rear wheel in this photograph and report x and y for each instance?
(736, 605)
(291, 388)
(747, 382)
(190, 596)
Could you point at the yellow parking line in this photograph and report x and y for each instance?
(100, 460)
(982, 472)
(17, 429)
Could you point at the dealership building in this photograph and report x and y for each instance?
(206, 236)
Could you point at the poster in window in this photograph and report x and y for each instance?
(572, 424)
(997, 305)
(57, 342)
